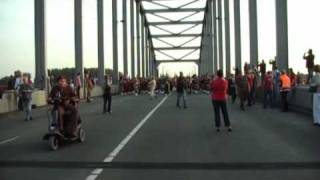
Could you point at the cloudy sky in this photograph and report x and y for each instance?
(17, 34)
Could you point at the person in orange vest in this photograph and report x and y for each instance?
(285, 86)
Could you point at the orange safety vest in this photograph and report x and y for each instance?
(285, 82)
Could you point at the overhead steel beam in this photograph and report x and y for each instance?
(174, 23)
(175, 35)
(178, 61)
(174, 10)
(177, 48)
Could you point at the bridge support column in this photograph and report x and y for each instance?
(221, 61)
(205, 48)
(147, 51)
(78, 37)
(210, 40)
(237, 34)
(138, 38)
(133, 73)
(253, 32)
(215, 49)
(125, 37)
(40, 45)
(143, 45)
(115, 75)
(101, 70)
(282, 34)
(227, 36)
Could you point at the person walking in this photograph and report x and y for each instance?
(107, 96)
(78, 84)
(232, 88)
(285, 85)
(152, 86)
(25, 95)
(242, 88)
(315, 82)
(89, 84)
(181, 91)
(267, 86)
(219, 89)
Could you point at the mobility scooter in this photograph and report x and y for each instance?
(55, 136)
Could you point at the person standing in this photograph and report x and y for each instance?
(181, 91)
(107, 96)
(250, 78)
(276, 81)
(262, 68)
(219, 89)
(89, 84)
(242, 88)
(25, 95)
(78, 84)
(267, 89)
(285, 85)
(232, 88)
(309, 57)
(152, 86)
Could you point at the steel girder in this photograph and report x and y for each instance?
(169, 34)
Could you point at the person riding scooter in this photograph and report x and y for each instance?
(66, 106)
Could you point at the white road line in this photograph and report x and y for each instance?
(8, 140)
(96, 172)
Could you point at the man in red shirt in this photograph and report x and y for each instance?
(267, 89)
(219, 89)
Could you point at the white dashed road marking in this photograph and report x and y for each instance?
(8, 140)
(96, 172)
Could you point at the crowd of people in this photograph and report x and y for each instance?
(274, 86)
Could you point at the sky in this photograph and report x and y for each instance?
(17, 34)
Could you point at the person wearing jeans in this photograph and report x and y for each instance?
(285, 85)
(267, 89)
(219, 89)
(181, 92)
(25, 93)
(107, 96)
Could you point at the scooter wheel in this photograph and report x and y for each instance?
(53, 143)
(81, 135)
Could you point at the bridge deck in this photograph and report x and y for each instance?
(169, 135)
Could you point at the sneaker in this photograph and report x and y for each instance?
(230, 129)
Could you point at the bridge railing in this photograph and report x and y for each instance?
(9, 100)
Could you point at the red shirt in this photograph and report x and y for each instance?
(219, 88)
(250, 78)
(268, 82)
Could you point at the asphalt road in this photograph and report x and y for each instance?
(152, 139)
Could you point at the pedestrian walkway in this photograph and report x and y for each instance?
(169, 135)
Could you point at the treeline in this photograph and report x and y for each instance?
(70, 73)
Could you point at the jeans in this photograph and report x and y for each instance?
(107, 99)
(217, 105)
(267, 98)
(183, 96)
(310, 74)
(27, 103)
(284, 100)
